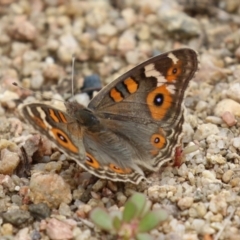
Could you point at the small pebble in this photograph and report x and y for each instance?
(24, 234)
(227, 176)
(229, 119)
(198, 225)
(227, 105)
(127, 41)
(8, 162)
(236, 142)
(92, 83)
(204, 130)
(99, 185)
(37, 80)
(6, 229)
(50, 189)
(39, 211)
(209, 175)
(17, 217)
(64, 209)
(218, 204)
(58, 230)
(216, 158)
(185, 203)
(235, 182)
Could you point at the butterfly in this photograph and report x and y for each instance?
(133, 124)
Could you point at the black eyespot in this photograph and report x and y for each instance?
(174, 71)
(62, 137)
(89, 159)
(157, 140)
(115, 167)
(158, 100)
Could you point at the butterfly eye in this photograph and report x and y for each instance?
(91, 161)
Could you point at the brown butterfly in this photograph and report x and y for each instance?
(134, 123)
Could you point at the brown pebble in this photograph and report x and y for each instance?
(227, 176)
(229, 118)
(50, 189)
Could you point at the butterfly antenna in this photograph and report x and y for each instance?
(17, 85)
(73, 62)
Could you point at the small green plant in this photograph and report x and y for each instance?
(134, 222)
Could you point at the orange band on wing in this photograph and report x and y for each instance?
(53, 115)
(131, 85)
(63, 140)
(39, 122)
(63, 119)
(90, 160)
(159, 109)
(119, 170)
(116, 95)
(174, 71)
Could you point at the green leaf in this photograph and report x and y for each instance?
(115, 213)
(139, 201)
(102, 219)
(116, 223)
(129, 211)
(152, 219)
(146, 208)
(144, 236)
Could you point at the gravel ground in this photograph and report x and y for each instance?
(37, 41)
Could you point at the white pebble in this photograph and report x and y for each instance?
(227, 105)
(204, 130)
(209, 175)
(236, 142)
(198, 225)
(185, 203)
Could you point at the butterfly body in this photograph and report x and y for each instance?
(133, 123)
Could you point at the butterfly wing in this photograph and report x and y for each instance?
(143, 108)
(66, 132)
(135, 120)
(58, 126)
(151, 92)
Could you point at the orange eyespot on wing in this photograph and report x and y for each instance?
(119, 170)
(159, 101)
(131, 85)
(91, 161)
(158, 141)
(116, 95)
(64, 140)
(174, 71)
